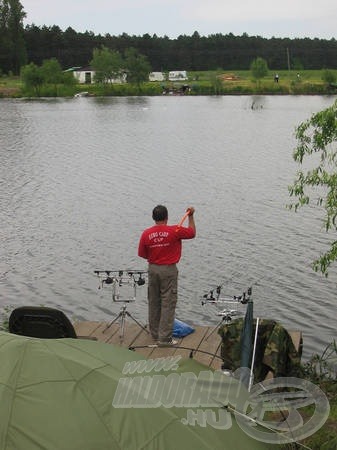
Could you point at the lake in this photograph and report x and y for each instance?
(80, 176)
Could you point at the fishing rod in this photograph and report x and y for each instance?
(215, 296)
(236, 274)
(265, 425)
(192, 350)
(187, 213)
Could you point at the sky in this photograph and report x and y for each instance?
(266, 18)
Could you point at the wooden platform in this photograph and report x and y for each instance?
(204, 344)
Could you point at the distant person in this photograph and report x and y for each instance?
(276, 78)
(161, 246)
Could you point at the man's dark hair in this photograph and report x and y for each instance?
(159, 213)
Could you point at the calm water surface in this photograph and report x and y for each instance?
(79, 179)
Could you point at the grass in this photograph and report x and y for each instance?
(10, 86)
(202, 83)
(290, 82)
(321, 370)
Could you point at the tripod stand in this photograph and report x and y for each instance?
(123, 314)
(119, 279)
(230, 305)
(227, 318)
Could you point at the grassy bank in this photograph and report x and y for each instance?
(10, 86)
(308, 82)
(321, 370)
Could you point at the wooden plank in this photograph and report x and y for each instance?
(136, 336)
(210, 344)
(204, 338)
(104, 334)
(163, 352)
(131, 331)
(86, 328)
(296, 337)
(142, 334)
(200, 342)
(192, 341)
(143, 341)
(213, 342)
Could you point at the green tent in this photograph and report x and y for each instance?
(77, 394)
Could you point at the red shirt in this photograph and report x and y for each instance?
(161, 244)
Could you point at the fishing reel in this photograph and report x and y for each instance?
(210, 298)
(121, 277)
(118, 279)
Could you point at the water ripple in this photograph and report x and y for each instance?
(79, 178)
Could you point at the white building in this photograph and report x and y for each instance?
(157, 76)
(86, 75)
(178, 75)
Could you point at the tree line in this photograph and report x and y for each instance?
(194, 52)
(20, 45)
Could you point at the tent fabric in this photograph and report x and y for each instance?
(58, 395)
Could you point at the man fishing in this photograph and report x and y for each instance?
(161, 246)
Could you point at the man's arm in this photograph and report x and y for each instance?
(191, 222)
(142, 248)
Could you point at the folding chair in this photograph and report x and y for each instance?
(41, 322)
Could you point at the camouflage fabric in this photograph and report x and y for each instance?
(275, 350)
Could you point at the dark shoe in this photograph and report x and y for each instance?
(170, 343)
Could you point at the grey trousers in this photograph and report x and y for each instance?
(162, 298)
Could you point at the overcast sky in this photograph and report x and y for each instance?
(267, 18)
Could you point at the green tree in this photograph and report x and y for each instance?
(48, 74)
(137, 66)
(12, 45)
(259, 69)
(52, 73)
(32, 78)
(216, 81)
(108, 65)
(318, 136)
